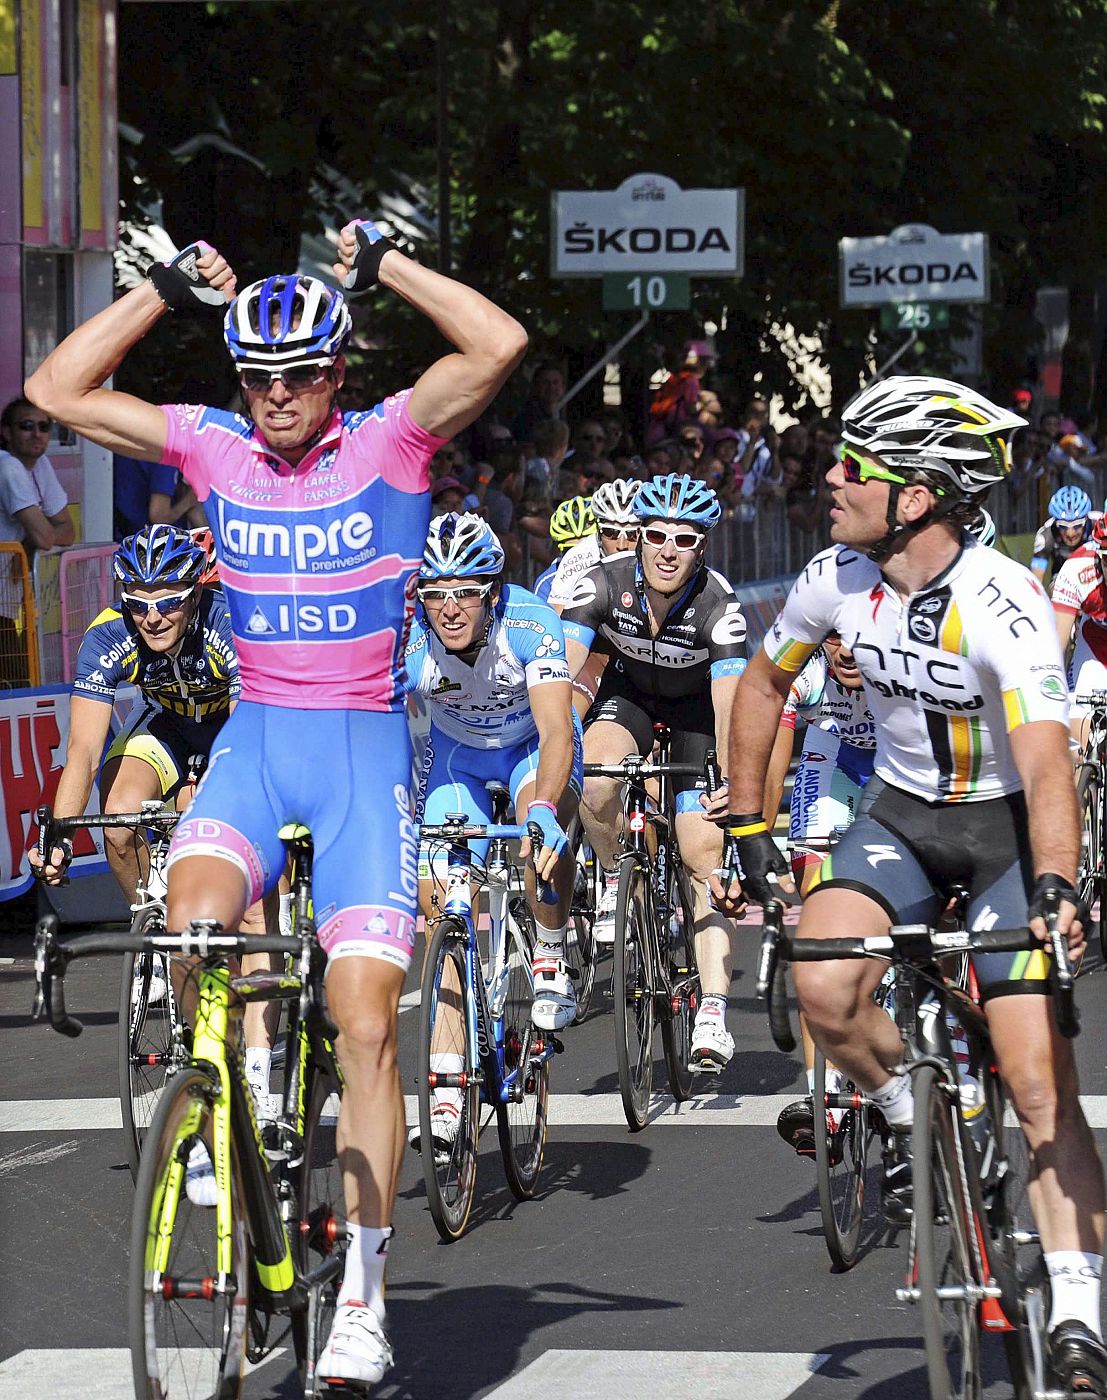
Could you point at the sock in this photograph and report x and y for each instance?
(550, 942)
(447, 1064)
(258, 1064)
(366, 1256)
(284, 916)
(811, 1080)
(1074, 1283)
(895, 1101)
(712, 1004)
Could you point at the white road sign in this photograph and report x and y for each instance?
(914, 263)
(649, 224)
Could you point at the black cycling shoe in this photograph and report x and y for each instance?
(796, 1125)
(897, 1188)
(1080, 1359)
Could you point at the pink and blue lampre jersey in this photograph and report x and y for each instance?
(317, 561)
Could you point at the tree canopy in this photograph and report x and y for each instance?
(251, 124)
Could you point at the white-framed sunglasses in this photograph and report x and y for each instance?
(684, 540)
(139, 607)
(461, 593)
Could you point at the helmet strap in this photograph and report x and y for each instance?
(899, 531)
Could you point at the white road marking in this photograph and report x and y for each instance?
(678, 1375)
(73, 1373)
(409, 1001)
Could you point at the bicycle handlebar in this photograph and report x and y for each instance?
(465, 830)
(633, 767)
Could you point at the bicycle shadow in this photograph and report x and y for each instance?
(905, 1381)
(750, 1072)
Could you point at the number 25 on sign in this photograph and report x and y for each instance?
(647, 291)
(914, 316)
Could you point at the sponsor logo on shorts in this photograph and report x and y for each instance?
(879, 853)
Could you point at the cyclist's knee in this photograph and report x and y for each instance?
(365, 1008)
(829, 995)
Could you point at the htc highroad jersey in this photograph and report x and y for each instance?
(949, 672)
(198, 683)
(487, 705)
(318, 561)
(702, 638)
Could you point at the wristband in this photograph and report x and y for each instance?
(538, 803)
(752, 824)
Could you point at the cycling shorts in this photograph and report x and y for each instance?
(455, 777)
(169, 743)
(826, 797)
(901, 850)
(691, 721)
(1088, 667)
(344, 774)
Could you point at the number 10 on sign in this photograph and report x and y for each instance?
(647, 291)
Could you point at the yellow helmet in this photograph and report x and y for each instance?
(572, 521)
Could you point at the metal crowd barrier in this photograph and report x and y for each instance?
(19, 650)
(72, 586)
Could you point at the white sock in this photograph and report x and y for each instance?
(258, 1064)
(366, 1256)
(284, 916)
(447, 1064)
(811, 1080)
(895, 1101)
(713, 1004)
(1074, 1282)
(550, 942)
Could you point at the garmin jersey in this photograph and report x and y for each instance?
(1049, 549)
(318, 561)
(702, 638)
(487, 705)
(817, 698)
(949, 672)
(198, 683)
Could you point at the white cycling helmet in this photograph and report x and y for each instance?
(611, 503)
(286, 320)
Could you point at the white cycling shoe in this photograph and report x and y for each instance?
(603, 925)
(358, 1349)
(445, 1123)
(712, 1045)
(200, 1185)
(555, 1000)
(155, 988)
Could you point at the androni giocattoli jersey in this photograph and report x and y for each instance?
(817, 698)
(317, 561)
(487, 705)
(949, 672)
(198, 682)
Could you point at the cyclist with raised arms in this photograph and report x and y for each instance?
(1068, 527)
(488, 658)
(972, 784)
(677, 638)
(571, 525)
(320, 518)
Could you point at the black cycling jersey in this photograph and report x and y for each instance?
(702, 638)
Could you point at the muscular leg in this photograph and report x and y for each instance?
(700, 843)
(601, 805)
(553, 916)
(201, 887)
(125, 784)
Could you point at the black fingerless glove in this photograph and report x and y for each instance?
(1047, 893)
(371, 247)
(181, 284)
(757, 856)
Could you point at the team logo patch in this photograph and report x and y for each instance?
(923, 629)
(1053, 688)
(627, 599)
(549, 646)
(929, 605)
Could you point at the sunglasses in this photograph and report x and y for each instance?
(295, 378)
(618, 532)
(684, 540)
(139, 607)
(856, 470)
(33, 425)
(463, 593)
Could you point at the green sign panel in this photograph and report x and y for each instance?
(915, 316)
(647, 291)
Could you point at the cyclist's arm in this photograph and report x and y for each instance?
(458, 388)
(1064, 618)
(777, 771)
(1041, 753)
(1039, 567)
(552, 707)
(69, 383)
(755, 722)
(576, 654)
(88, 731)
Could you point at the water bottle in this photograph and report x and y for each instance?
(971, 1089)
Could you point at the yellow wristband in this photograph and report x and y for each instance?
(753, 829)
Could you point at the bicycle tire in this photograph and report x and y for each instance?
(450, 1178)
(632, 984)
(678, 1017)
(169, 1353)
(580, 946)
(521, 1124)
(143, 1031)
(1090, 880)
(941, 1230)
(320, 1213)
(841, 1166)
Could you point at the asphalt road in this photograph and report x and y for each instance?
(681, 1261)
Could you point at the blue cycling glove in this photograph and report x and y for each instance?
(371, 247)
(552, 834)
(181, 284)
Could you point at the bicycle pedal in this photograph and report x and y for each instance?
(701, 1065)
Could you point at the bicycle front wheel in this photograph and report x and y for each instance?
(449, 1162)
(188, 1306)
(684, 982)
(944, 1221)
(580, 947)
(632, 987)
(521, 1122)
(321, 1211)
(148, 1035)
(842, 1142)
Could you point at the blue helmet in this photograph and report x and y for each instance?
(286, 320)
(461, 546)
(675, 497)
(160, 554)
(1070, 505)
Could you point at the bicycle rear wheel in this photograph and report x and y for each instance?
(187, 1316)
(632, 987)
(321, 1213)
(841, 1166)
(147, 1035)
(522, 1122)
(1090, 881)
(450, 1170)
(580, 947)
(684, 979)
(942, 1230)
